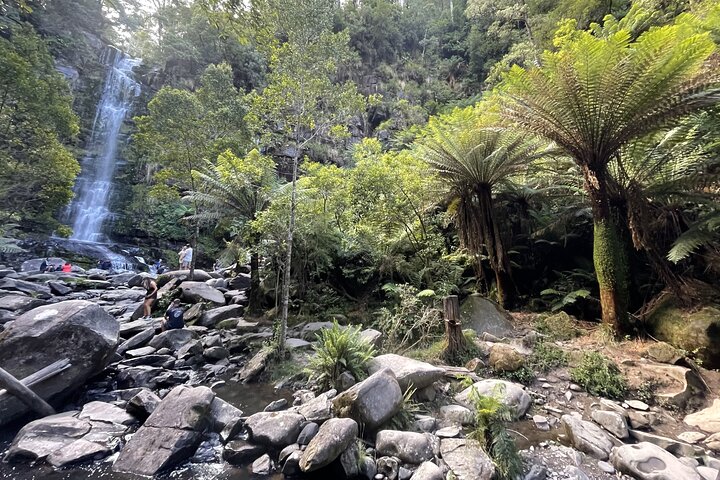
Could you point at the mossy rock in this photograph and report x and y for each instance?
(559, 326)
(697, 332)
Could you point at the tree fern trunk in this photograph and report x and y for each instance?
(609, 255)
(254, 297)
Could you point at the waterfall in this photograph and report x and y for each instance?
(89, 209)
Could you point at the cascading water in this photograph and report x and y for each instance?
(89, 209)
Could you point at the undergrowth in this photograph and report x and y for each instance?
(599, 376)
(337, 350)
(491, 415)
(559, 326)
(405, 417)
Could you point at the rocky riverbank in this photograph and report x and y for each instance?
(150, 402)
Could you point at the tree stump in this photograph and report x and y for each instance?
(455, 345)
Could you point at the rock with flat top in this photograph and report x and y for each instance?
(195, 292)
(646, 461)
(408, 372)
(587, 437)
(409, 447)
(466, 459)
(707, 420)
(274, 429)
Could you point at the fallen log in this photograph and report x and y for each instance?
(42, 374)
(16, 388)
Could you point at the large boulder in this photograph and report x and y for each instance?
(466, 459)
(408, 372)
(195, 292)
(675, 384)
(274, 429)
(371, 402)
(20, 303)
(646, 461)
(128, 294)
(171, 433)
(183, 275)
(33, 265)
(707, 419)
(210, 318)
(76, 330)
(696, 331)
(510, 394)
(587, 437)
(333, 438)
(173, 339)
(410, 447)
(483, 315)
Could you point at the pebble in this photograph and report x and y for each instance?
(568, 395)
(575, 388)
(448, 432)
(546, 385)
(606, 467)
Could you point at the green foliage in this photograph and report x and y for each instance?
(404, 419)
(9, 244)
(412, 321)
(559, 326)
(546, 356)
(37, 169)
(524, 375)
(599, 376)
(491, 415)
(339, 349)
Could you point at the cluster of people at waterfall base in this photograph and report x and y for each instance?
(46, 267)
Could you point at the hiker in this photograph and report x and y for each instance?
(44, 265)
(151, 290)
(67, 268)
(181, 256)
(187, 258)
(173, 316)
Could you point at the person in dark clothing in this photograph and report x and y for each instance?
(152, 294)
(173, 316)
(44, 266)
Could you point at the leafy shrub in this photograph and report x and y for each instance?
(546, 356)
(404, 419)
(560, 326)
(338, 350)
(411, 322)
(491, 415)
(524, 375)
(599, 376)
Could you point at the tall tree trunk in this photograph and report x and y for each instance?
(282, 327)
(254, 297)
(495, 249)
(609, 253)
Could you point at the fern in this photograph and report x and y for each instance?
(704, 232)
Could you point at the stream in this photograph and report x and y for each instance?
(249, 398)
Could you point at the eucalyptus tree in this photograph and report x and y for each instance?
(595, 95)
(474, 161)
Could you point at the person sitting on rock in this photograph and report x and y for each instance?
(173, 316)
(44, 265)
(151, 295)
(67, 268)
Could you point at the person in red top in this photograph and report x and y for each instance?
(67, 267)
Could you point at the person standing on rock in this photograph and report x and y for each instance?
(173, 316)
(188, 257)
(151, 290)
(181, 257)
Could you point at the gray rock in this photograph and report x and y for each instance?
(408, 372)
(211, 317)
(388, 467)
(572, 472)
(646, 461)
(456, 414)
(541, 423)
(483, 315)
(195, 292)
(510, 394)
(308, 433)
(140, 352)
(141, 376)
(20, 303)
(466, 459)
(373, 337)
(638, 405)
(276, 429)
(707, 420)
(606, 467)
(263, 465)
(409, 447)
(105, 412)
(310, 330)
(170, 435)
(345, 381)
(173, 339)
(449, 432)
(676, 447)
(143, 403)
(291, 465)
(691, 437)
(537, 472)
(226, 419)
(240, 452)
(350, 461)
(137, 340)
(76, 452)
(708, 473)
(130, 294)
(587, 437)
(428, 471)
(216, 353)
(613, 422)
(371, 402)
(40, 438)
(41, 336)
(333, 437)
(276, 405)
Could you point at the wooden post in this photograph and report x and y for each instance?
(455, 340)
(24, 394)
